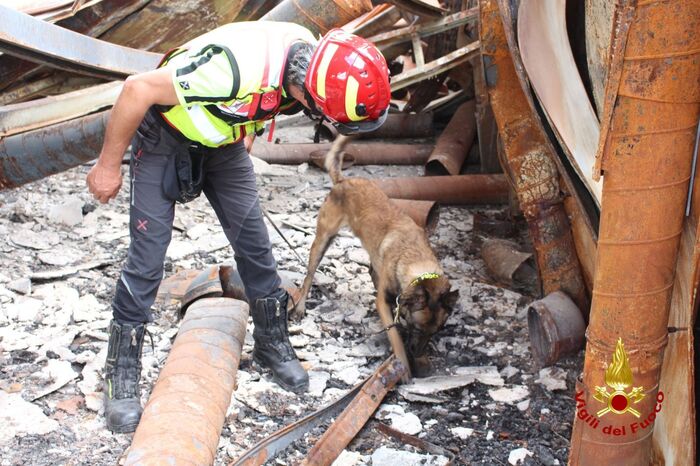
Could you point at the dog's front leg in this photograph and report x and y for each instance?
(393, 333)
(327, 226)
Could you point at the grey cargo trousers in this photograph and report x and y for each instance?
(231, 190)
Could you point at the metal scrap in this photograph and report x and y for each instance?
(41, 42)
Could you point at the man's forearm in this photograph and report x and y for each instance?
(127, 113)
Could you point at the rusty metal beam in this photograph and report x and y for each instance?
(385, 17)
(182, 421)
(460, 189)
(35, 40)
(319, 17)
(360, 409)
(407, 34)
(453, 144)
(361, 153)
(652, 106)
(419, 7)
(36, 154)
(530, 162)
(91, 21)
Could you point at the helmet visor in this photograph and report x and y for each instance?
(364, 126)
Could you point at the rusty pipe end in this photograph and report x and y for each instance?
(556, 328)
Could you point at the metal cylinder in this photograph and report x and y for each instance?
(460, 189)
(182, 421)
(454, 143)
(318, 17)
(36, 154)
(649, 125)
(404, 125)
(363, 153)
(556, 328)
(425, 213)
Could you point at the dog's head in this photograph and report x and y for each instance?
(426, 305)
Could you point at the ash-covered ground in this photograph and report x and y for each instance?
(61, 256)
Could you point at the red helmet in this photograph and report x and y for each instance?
(349, 81)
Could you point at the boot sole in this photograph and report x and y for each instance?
(299, 389)
(125, 429)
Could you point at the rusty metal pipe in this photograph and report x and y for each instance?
(425, 213)
(36, 154)
(319, 17)
(358, 412)
(404, 125)
(529, 161)
(454, 143)
(182, 421)
(460, 189)
(652, 105)
(363, 153)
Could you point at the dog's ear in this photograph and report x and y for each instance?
(449, 299)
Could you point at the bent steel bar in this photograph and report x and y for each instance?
(36, 154)
(35, 40)
(351, 420)
(182, 421)
(269, 447)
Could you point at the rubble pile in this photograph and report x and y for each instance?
(486, 403)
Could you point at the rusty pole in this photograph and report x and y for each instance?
(652, 105)
(361, 153)
(404, 125)
(182, 421)
(454, 143)
(36, 154)
(530, 165)
(459, 189)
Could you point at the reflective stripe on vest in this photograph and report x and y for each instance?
(220, 120)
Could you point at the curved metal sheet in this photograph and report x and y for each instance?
(25, 116)
(549, 62)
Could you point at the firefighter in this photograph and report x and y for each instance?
(193, 120)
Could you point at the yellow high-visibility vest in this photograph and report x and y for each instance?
(229, 81)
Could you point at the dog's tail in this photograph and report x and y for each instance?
(334, 158)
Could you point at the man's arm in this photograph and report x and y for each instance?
(139, 93)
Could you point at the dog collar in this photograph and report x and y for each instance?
(420, 278)
(424, 276)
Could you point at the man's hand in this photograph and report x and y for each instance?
(104, 182)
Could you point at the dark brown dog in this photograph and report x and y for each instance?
(405, 271)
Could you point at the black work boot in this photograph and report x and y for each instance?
(121, 377)
(272, 347)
